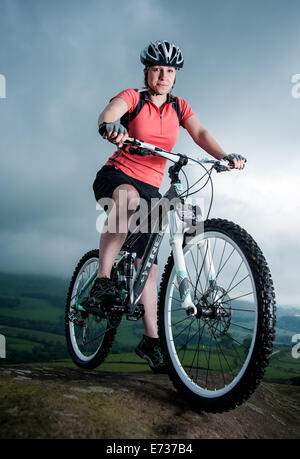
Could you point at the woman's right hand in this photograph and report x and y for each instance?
(114, 132)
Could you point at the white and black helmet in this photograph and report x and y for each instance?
(162, 52)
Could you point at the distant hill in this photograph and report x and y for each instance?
(32, 320)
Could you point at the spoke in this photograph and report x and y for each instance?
(198, 353)
(241, 326)
(185, 344)
(204, 346)
(181, 320)
(199, 338)
(207, 370)
(195, 286)
(233, 250)
(238, 297)
(185, 347)
(243, 310)
(176, 299)
(96, 337)
(225, 243)
(183, 329)
(238, 283)
(177, 309)
(232, 288)
(229, 367)
(90, 340)
(203, 258)
(234, 347)
(198, 250)
(221, 366)
(236, 341)
(228, 288)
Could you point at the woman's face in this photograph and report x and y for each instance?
(161, 79)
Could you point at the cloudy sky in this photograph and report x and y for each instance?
(63, 60)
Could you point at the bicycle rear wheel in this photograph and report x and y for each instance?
(217, 358)
(89, 337)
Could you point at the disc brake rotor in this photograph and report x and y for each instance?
(215, 311)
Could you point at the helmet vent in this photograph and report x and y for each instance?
(161, 49)
(162, 52)
(173, 55)
(151, 52)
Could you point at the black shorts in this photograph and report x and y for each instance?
(108, 179)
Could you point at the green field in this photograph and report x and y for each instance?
(32, 321)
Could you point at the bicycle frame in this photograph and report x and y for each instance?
(177, 227)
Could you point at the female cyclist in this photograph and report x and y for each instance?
(153, 115)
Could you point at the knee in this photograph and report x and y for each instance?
(126, 197)
(133, 199)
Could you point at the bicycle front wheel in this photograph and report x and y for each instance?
(89, 337)
(217, 358)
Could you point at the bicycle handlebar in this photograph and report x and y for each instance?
(144, 148)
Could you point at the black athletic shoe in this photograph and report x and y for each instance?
(103, 290)
(149, 349)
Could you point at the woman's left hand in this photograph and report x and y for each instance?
(236, 161)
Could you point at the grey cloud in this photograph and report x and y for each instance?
(63, 60)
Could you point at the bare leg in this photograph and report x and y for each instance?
(149, 300)
(110, 245)
(117, 223)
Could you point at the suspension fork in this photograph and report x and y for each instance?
(176, 242)
(209, 270)
(177, 229)
(208, 265)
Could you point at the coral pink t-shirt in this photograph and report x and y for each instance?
(151, 126)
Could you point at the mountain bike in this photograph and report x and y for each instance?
(216, 306)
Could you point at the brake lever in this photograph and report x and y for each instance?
(220, 167)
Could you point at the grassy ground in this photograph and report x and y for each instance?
(43, 401)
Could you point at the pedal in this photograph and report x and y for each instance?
(117, 308)
(138, 312)
(88, 301)
(101, 308)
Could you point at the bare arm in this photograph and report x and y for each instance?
(113, 112)
(205, 140)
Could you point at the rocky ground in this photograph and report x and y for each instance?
(60, 402)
